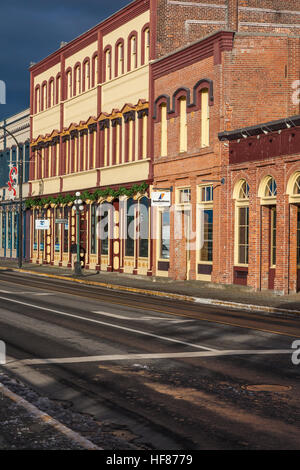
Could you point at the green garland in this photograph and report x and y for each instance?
(86, 195)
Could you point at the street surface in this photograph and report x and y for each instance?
(153, 373)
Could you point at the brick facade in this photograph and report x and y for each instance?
(252, 75)
(282, 162)
(180, 22)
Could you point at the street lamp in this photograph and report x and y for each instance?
(78, 207)
(20, 173)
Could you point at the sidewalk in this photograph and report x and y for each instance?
(25, 427)
(197, 291)
(32, 421)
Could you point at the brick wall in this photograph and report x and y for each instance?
(258, 79)
(180, 22)
(252, 83)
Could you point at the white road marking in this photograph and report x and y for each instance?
(126, 357)
(131, 330)
(41, 293)
(26, 292)
(121, 317)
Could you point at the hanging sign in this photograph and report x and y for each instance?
(61, 221)
(42, 224)
(161, 198)
(12, 183)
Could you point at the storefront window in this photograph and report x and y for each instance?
(35, 232)
(242, 223)
(15, 229)
(104, 223)
(3, 229)
(243, 235)
(66, 231)
(57, 230)
(129, 242)
(165, 235)
(206, 253)
(206, 199)
(144, 227)
(42, 240)
(93, 229)
(9, 231)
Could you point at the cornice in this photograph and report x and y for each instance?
(103, 120)
(211, 46)
(119, 18)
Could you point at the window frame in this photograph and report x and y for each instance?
(208, 206)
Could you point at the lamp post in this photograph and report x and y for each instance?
(20, 174)
(78, 207)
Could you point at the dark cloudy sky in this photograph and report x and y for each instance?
(32, 29)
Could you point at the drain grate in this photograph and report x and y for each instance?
(267, 388)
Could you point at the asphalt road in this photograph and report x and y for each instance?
(160, 374)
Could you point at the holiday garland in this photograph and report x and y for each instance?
(86, 195)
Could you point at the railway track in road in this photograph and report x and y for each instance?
(286, 325)
(152, 402)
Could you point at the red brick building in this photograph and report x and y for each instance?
(138, 101)
(244, 70)
(262, 206)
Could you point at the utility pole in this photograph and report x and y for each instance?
(20, 176)
(78, 207)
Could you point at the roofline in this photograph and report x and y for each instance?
(7, 118)
(85, 34)
(191, 44)
(258, 129)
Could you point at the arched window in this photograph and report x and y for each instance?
(204, 118)
(37, 99)
(242, 223)
(69, 84)
(297, 186)
(132, 52)
(244, 190)
(86, 85)
(51, 93)
(119, 58)
(77, 81)
(58, 89)
(44, 97)
(271, 188)
(183, 125)
(108, 65)
(95, 70)
(267, 192)
(164, 131)
(147, 45)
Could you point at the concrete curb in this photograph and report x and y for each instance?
(45, 418)
(170, 295)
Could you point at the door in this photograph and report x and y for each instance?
(272, 252)
(187, 236)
